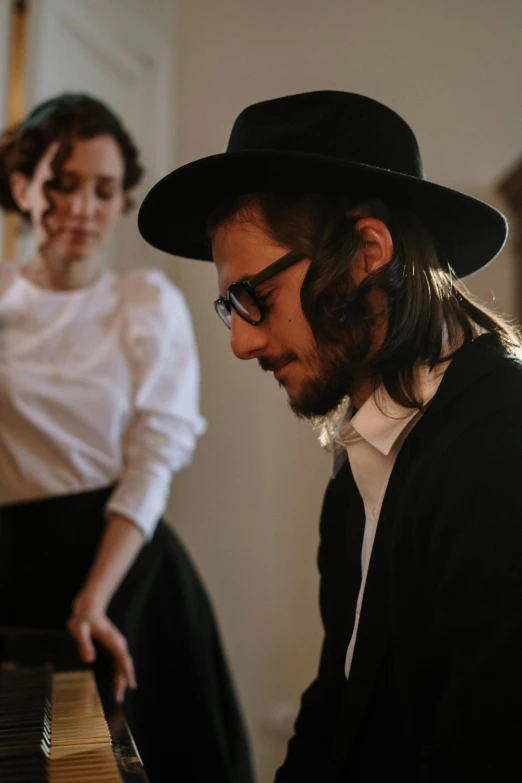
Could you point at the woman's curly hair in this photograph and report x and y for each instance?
(63, 119)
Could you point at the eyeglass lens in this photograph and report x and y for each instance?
(244, 304)
(223, 310)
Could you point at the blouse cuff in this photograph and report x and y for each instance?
(142, 498)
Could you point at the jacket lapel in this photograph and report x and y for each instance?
(471, 363)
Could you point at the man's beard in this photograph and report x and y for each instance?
(321, 392)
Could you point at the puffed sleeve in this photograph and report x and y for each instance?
(161, 437)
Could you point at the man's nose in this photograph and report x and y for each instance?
(247, 341)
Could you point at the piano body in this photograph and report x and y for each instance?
(58, 724)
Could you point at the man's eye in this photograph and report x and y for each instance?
(265, 299)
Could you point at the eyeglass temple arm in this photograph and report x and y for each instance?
(282, 263)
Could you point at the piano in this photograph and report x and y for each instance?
(58, 722)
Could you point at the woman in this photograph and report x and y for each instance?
(98, 408)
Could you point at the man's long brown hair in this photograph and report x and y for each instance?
(429, 313)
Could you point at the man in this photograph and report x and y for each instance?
(336, 265)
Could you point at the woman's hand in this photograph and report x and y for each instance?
(118, 549)
(87, 624)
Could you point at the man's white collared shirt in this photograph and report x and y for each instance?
(372, 439)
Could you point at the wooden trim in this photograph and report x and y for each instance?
(16, 85)
(510, 186)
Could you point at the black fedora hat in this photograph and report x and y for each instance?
(319, 141)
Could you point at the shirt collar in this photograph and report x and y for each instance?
(381, 420)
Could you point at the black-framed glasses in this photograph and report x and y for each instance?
(242, 298)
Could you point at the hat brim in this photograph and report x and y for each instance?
(174, 215)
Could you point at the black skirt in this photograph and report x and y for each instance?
(184, 715)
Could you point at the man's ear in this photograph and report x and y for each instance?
(19, 185)
(376, 252)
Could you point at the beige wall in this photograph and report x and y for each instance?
(249, 505)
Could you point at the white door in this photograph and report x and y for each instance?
(109, 49)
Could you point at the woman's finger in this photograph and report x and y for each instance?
(120, 686)
(116, 643)
(81, 630)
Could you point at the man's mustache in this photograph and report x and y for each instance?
(272, 364)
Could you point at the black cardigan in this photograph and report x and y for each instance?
(435, 689)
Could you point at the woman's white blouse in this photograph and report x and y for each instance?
(97, 386)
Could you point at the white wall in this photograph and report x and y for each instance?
(248, 507)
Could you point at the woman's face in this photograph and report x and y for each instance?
(88, 199)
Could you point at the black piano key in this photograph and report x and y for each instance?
(25, 728)
(27, 685)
